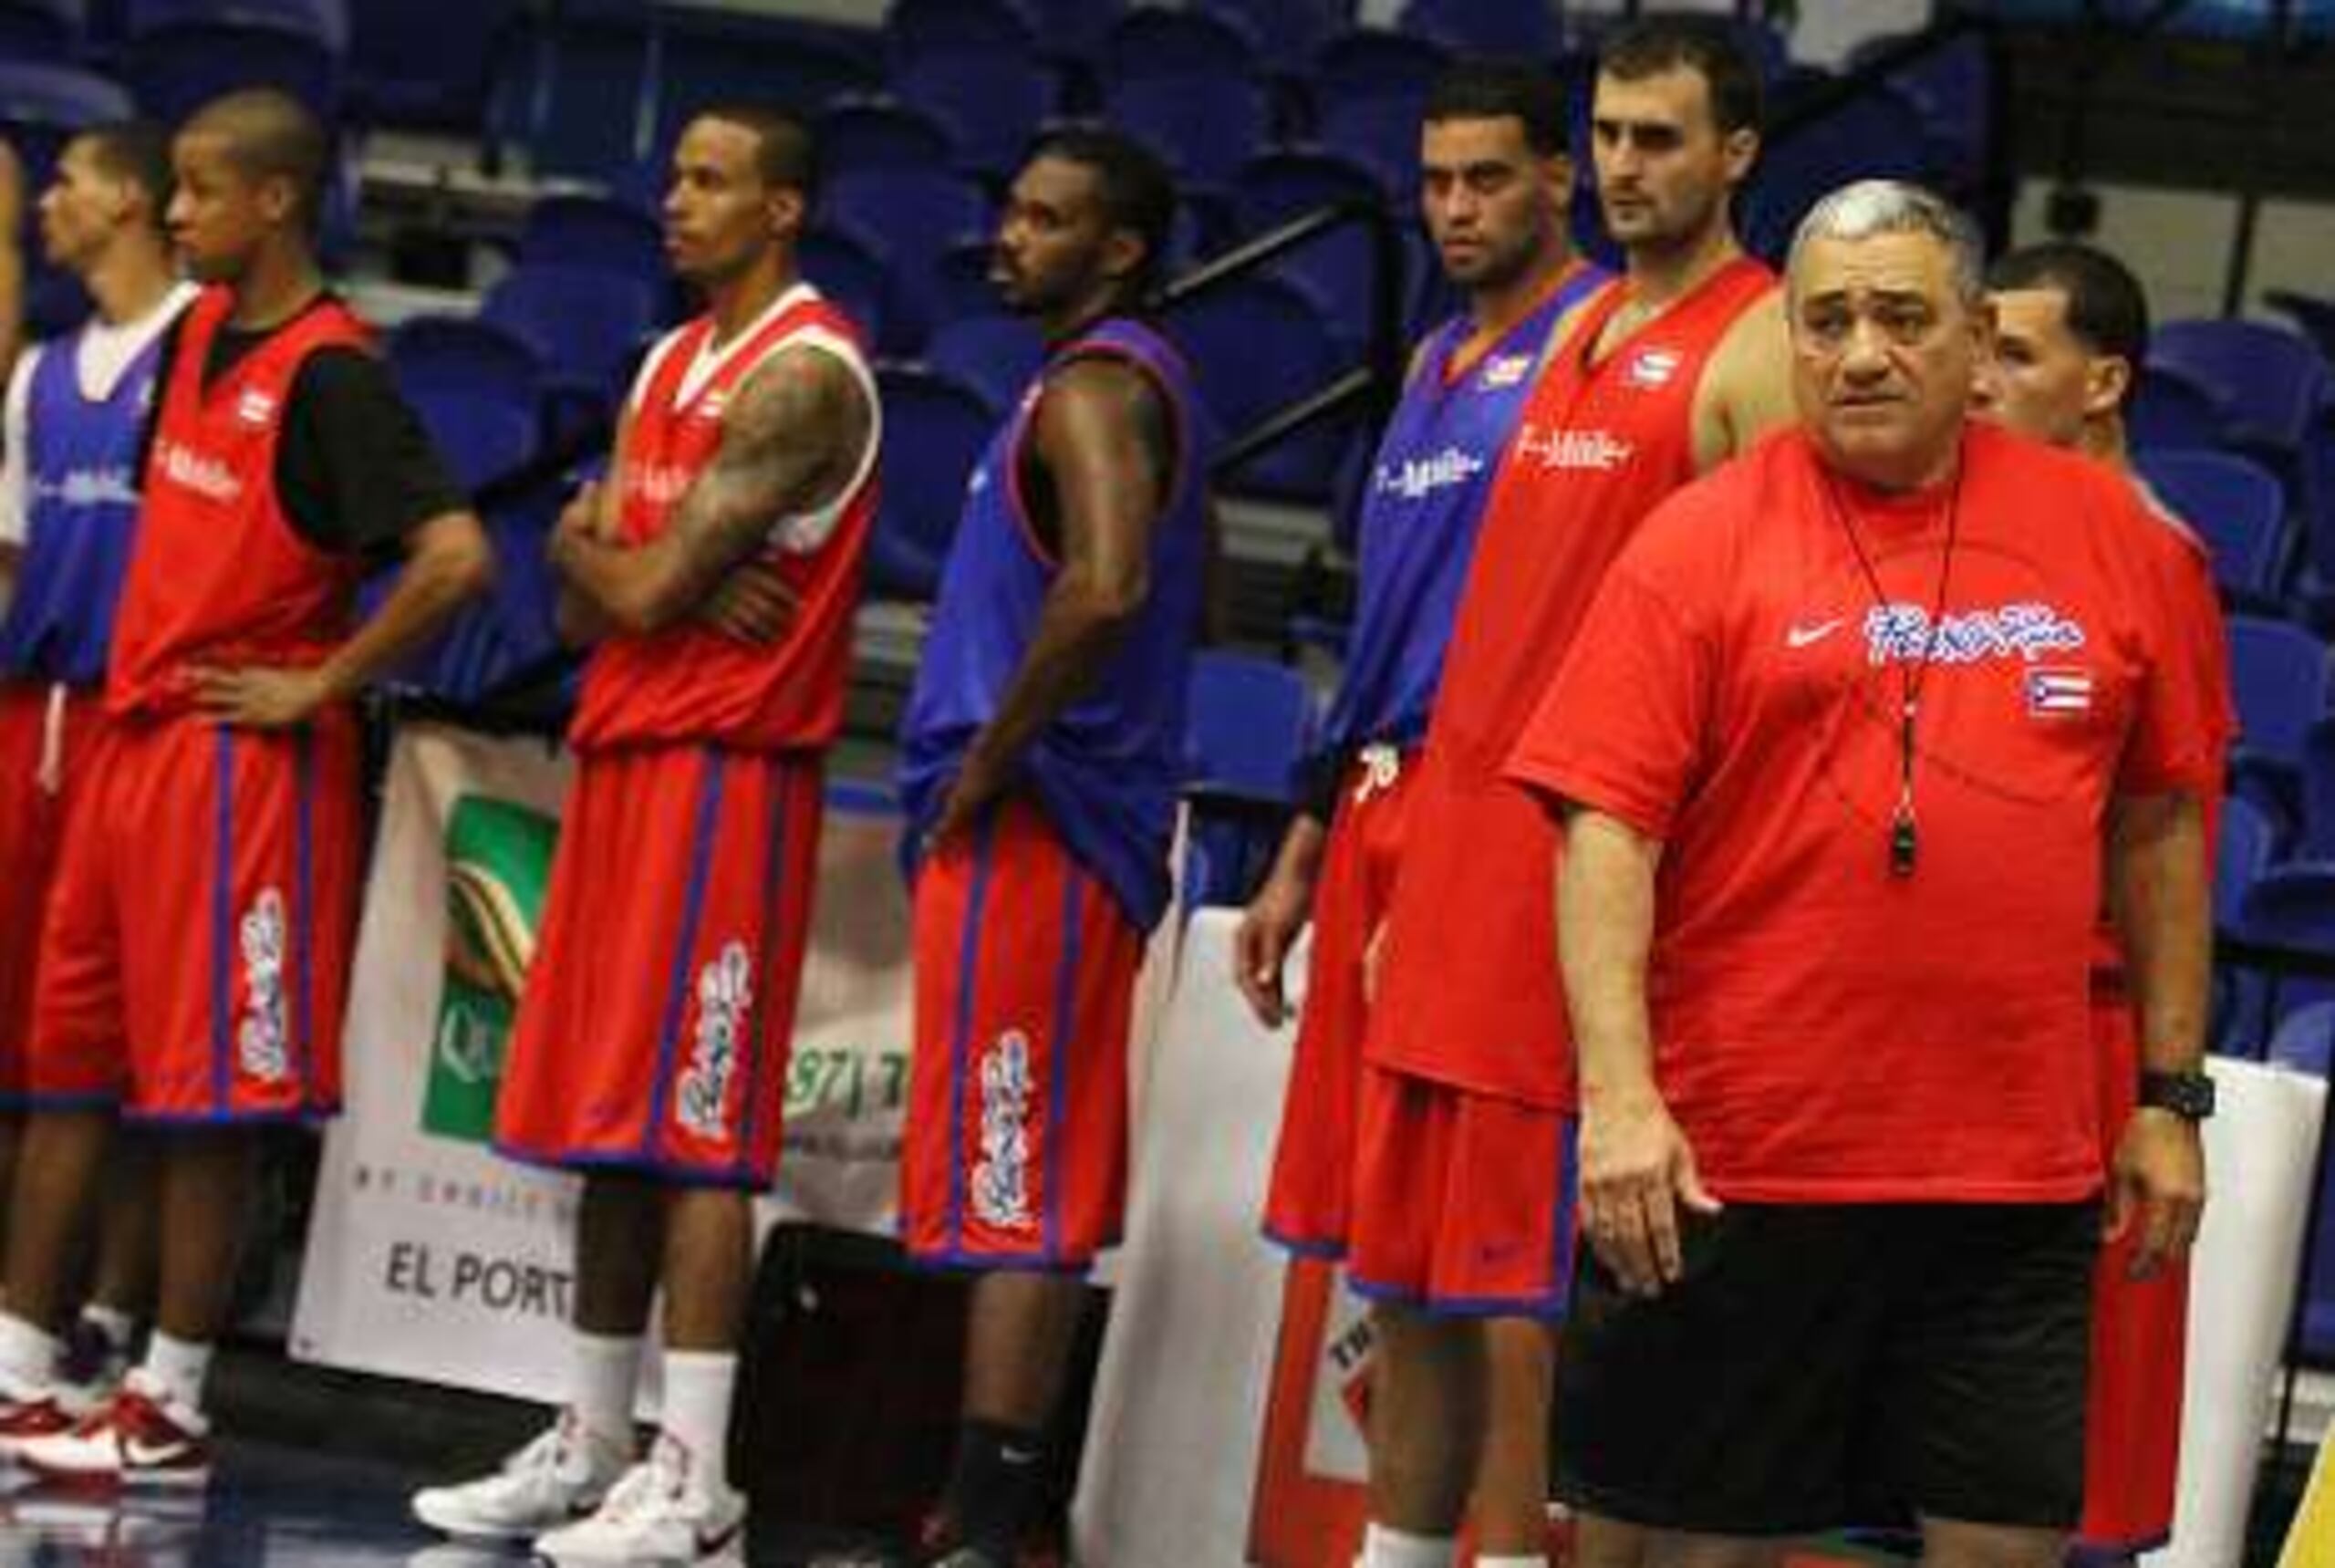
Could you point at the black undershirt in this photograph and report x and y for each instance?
(354, 469)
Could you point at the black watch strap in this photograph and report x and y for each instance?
(2189, 1095)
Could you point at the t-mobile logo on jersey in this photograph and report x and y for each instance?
(206, 476)
(114, 486)
(1600, 450)
(1000, 1184)
(1415, 479)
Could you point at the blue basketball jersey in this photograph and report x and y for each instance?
(81, 457)
(1424, 497)
(1106, 770)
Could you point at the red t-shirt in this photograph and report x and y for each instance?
(1826, 1031)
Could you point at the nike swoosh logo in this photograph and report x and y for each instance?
(138, 1453)
(1801, 636)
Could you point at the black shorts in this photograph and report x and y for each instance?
(1827, 1366)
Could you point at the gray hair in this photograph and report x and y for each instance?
(1870, 207)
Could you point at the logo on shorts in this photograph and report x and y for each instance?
(263, 940)
(498, 862)
(1000, 1185)
(725, 995)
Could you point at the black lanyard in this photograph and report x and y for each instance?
(1904, 836)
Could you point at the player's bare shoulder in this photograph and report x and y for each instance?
(1746, 390)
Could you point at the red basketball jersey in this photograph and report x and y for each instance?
(220, 574)
(688, 681)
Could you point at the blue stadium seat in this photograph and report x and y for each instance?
(2246, 847)
(2314, 315)
(2278, 673)
(586, 326)
(1878, 134)
(1161, 41)
(1484, 26)
(1286, 31)
(1380, 132)
(1249, 724)
(1372, 62)
(2269, 382)
(994, 354)
(711, 56)
(581, 106)
(934, 431)
(1204, 127)
(43, 106)
(174, 68)
(2169, 410)
(848, 267)
(1336, 267)
(883, 133)
(483, 438)
(993, 103)
(40, 30)
(461, 355)
(1256, 344)
(326, 20)
(2292, 905)
(1072, 32)
(2231, 503)
(416, 66)
(596, 233)
(917, 214)
(919, 30)
(961, 283)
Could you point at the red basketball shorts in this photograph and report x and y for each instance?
(1463, 1203)
(654, 1030)
(195, 956)
(1016, 1152)
(2139, 1343)
(1312, 1180)
(45, 734)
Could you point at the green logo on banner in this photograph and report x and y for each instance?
(498, 859)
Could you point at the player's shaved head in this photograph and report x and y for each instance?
(269, 135)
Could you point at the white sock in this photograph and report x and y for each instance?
(116, 1324)
(1385, 1548)
(177, 1368)
(607, 1375)
(697, 1385)
(1536, 1560)
(28, 1358)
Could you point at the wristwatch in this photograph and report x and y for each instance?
(2189, 1095)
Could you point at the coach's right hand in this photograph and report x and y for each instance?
(752, 602)
(1636, 1169)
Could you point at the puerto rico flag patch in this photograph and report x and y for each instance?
(2058, 693)
(1652, 368)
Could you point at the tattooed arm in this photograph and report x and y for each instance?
(790, 440)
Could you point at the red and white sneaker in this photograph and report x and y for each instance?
(141, 1438)
(33, 1415)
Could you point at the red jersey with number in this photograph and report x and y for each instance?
(1473, 1001)
(691, 682)
(219, 575)
(1827, 1029)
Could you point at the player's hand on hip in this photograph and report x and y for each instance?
(259, 696)
(752, 602)
(2158, 1183)
(1636, 1170)
(1260, 945)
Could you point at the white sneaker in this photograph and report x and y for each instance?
(659, 1513)
(562, 1475)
